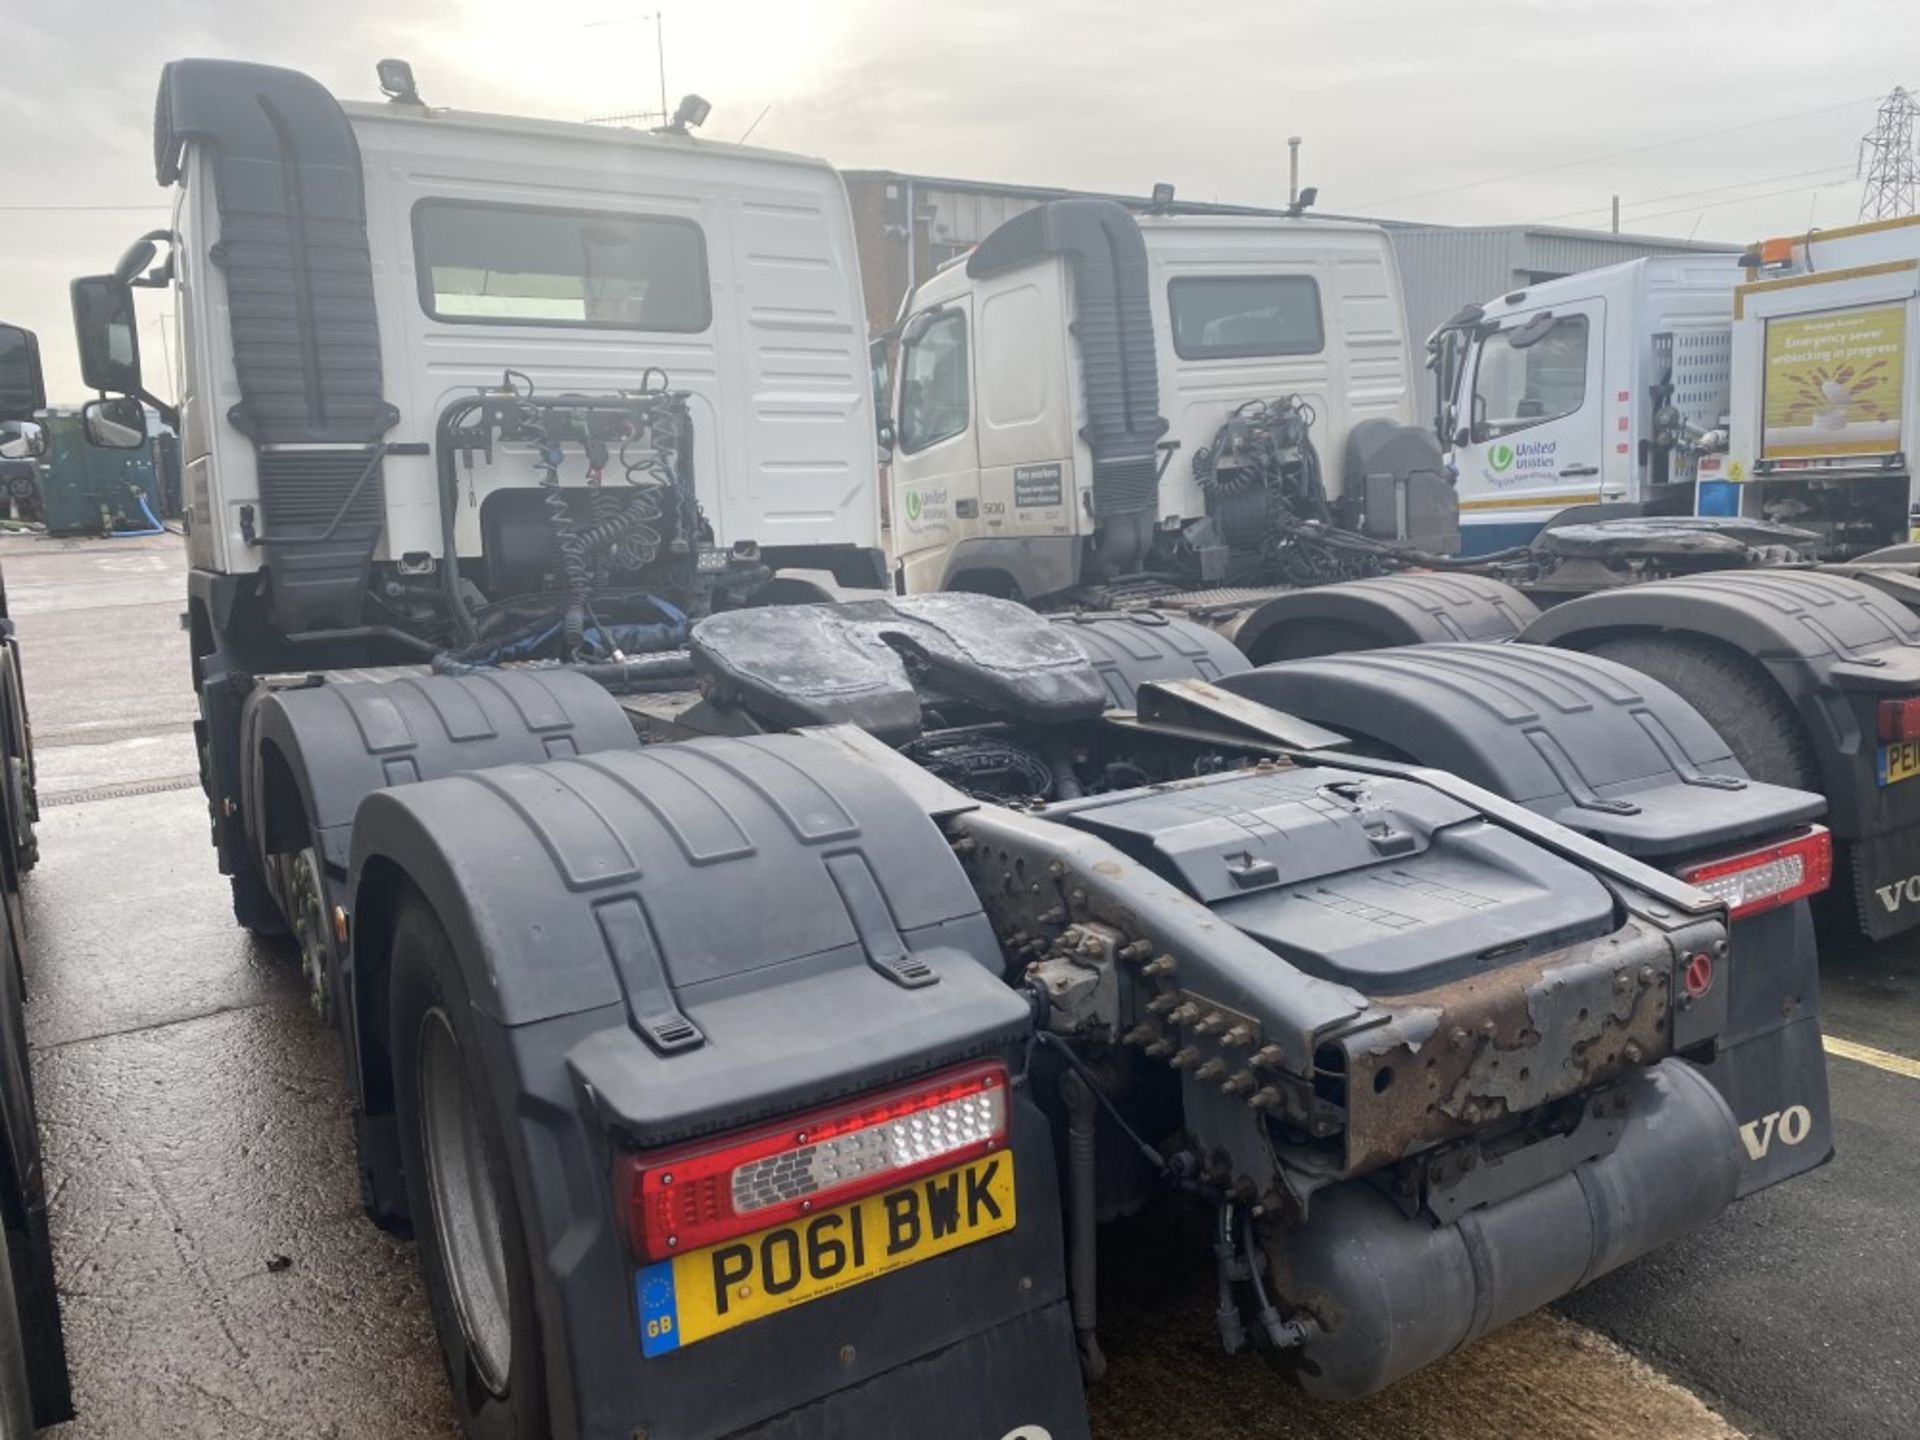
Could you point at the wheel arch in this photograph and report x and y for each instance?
(1820, 640)
(1410, 609)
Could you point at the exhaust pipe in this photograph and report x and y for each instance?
(1391, 1294)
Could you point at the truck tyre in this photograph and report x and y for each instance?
(254, 906)
(467, 1221)
(1732, 695)
(16, 1404)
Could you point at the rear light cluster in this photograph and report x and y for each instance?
(1899, 720)
(687, 1199)
(1765, 879)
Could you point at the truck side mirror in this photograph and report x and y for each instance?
(109, 335)
(118, 423)
(22, 391)
(885, 437)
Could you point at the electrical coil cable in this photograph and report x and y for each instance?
(570, 550)
(609, 531)
(983, 766)
(1265, 493)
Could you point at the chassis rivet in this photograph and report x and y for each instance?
(846, 1354)
(1186, 1059)
(1056, 868)
(1212, 1070)
(1459, 1038)
(1632, 1051)
(1159, 965)
(1471, 1114)
(1269, 1057)
(1646, 974)
(1623, 982)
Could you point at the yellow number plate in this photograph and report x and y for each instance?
(1899, 762)
(695, 1296)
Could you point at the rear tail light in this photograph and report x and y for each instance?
(699, 1195)
(1900, 720)
(1765, 879)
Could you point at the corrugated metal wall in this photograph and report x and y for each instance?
(1443, 268)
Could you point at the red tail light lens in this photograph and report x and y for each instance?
(698, 1195)
(1900, 720)
(1760, 880)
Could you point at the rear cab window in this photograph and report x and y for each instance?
(1218, 317)
(525, 265)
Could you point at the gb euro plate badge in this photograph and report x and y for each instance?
(708, 1292)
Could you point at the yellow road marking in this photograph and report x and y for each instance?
(1880, 1059)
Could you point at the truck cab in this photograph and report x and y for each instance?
(1555, 396)
(1771, 386)
(346, 273)
(1821, 426)
(1051, 380)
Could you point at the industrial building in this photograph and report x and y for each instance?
(909, 225)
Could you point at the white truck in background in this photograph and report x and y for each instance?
(1031, 457)
(1769, 386)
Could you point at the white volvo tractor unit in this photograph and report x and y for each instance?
(755, 994)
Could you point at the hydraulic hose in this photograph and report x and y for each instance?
(1083, 1212)
(154, 527)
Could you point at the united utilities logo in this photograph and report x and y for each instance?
(913, 505)
(1500, 457)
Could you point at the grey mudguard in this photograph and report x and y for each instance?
(1829, 642)
(1391, 610)
(1132, 647)
(340, 741)
(1598, 747)
(689, 938)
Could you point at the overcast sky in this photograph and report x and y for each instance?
(1725, 121)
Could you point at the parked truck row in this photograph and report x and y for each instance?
(758, 981)
(1216, 416)
(34, 1388)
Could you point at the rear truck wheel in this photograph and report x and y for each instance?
(16, 1403)
(299, 878)
(1732, 695)
(467, 1220)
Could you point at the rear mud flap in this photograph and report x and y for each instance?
(1017, 1381)
(1886, 881)
(1776, 1086)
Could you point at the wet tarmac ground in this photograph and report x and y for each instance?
(219, 1279)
